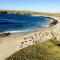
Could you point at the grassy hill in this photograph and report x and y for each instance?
(49, 50)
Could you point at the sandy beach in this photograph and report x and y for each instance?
(12, 43)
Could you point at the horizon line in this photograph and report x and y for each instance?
(30, 11)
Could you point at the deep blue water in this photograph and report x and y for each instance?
(15, 22)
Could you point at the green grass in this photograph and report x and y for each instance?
(48, 50)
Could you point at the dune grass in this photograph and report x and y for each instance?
(49, 50)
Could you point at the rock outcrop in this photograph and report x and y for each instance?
(4, 34)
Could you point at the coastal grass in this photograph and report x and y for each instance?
(49, 50)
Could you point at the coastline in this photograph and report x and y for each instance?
(12, 43)
(51, 23)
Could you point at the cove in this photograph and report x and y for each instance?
(17, 22)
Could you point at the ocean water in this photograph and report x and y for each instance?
(21, 23)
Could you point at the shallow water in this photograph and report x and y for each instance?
(21, 23)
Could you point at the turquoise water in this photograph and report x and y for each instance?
(15, 22)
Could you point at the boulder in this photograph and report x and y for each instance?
(4, 34)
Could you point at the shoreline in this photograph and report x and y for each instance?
(51, 23)
(13, 43)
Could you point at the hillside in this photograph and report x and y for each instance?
(49, 50)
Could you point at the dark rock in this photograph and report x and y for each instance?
(54, 22)
(4, 34)
(58, 44)
(3, 12)
(49, 17)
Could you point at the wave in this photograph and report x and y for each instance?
(22, 31)
(16, 31)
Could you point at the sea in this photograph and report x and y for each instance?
(15, 23)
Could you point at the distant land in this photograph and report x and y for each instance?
(29, 13)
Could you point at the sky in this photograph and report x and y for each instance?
(31, 5)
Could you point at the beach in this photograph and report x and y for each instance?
(12, 43)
